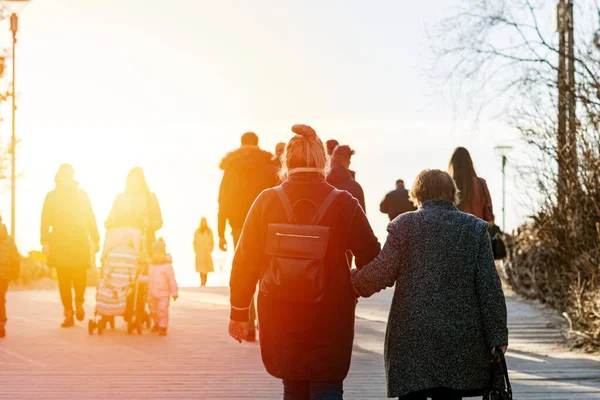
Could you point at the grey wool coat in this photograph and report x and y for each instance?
(448, 309)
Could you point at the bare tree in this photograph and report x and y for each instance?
(509, 53)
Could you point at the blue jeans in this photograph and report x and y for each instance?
(305, 390)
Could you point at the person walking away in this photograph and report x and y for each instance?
(331, 144)
(474, 197)
(137, 207)
(448, 314)
(397, 202)
(247, 171)
(293, 243)
(279, 149)
(10, 268)
(161, 287)
(340, 176)
(204, 244)
(68, 227)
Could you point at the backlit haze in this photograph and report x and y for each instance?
(172, 85)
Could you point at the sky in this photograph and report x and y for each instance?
(171, 86)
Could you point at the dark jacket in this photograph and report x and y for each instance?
(396, 203)
(304, 341)
(448, 309)
(342, 179)
(247, 171)
(10, 260)
(68, 225)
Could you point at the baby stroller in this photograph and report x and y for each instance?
(123, 286)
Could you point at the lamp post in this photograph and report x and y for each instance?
(13, 7)
(503, 151)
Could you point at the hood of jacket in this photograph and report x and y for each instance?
(246, 157)
(338, 174)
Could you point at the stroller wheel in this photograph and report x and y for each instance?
(130, 326)
(111, 321)
(91, 326)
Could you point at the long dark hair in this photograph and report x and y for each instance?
(462, 171)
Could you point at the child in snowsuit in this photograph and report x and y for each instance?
(161, 287)
(10, 267)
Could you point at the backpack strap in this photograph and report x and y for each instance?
(325, 206)
(285, 202)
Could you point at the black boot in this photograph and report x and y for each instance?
(69, 320)
(2, 331)
(79, 312)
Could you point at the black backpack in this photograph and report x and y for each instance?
(499, 387)
(297, 271)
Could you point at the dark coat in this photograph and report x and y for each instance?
(448, 309)
(342, 179)
(68, 226)
(247, 171)
(304, 341)
(10, 260)
(396, 203)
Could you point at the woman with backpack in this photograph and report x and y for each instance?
(294, 242)
(474, 196)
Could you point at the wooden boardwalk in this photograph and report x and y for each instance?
(198, 360)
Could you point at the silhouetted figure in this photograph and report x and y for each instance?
(204, 244)
(397, 202)
(306, 305)
(162, 286)
(68, 226)
(247, 171)
(279, 150)
(474, 194)
(331, 146)
(137, 207)
(448, 313)
(10, 267)
(341, 177)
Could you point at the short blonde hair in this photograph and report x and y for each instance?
(304, 152)
(434, 184)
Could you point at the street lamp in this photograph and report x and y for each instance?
(503, 151)
(13, 7)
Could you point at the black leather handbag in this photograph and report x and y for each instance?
(498, 246)
(499, 387)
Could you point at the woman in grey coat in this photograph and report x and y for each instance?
(448, 313)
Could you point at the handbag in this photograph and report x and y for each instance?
(499, 387)
(498, 246)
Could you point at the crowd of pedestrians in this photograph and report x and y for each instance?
(298, 222)
(448, 316)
